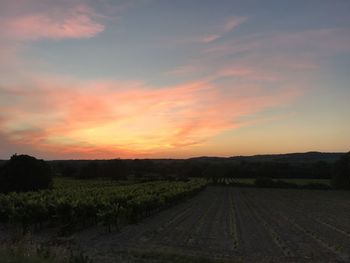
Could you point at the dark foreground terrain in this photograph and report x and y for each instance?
(244, 225)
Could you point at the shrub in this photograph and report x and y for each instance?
(341, 173)
(89, 171)
(25, 173)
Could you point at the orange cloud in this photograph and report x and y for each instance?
(107, 119)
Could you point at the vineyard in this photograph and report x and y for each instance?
(220, 222)
(73, 204)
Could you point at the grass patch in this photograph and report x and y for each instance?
(297, 181)
(23, 256)
(24, 253)
(308, 181)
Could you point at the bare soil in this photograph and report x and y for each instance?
(238, 224)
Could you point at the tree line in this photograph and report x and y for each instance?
(26, 173)
(179, 169)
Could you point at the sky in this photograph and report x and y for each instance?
(102, 79)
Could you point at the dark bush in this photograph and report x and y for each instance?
(25, 173)
(89, 171)
(341, 173)
(68, 170)
(114, 169)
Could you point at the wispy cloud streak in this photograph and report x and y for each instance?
(214, 33)
(101, 116)
(76, 22)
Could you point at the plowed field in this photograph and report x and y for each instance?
(251, 225)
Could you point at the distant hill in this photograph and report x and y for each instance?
(288, 157)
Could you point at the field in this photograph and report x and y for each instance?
(218, 223)
(299, 181)
(253, 225)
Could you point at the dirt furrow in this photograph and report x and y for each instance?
(256, 240)
(268, 225)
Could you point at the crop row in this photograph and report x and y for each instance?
(72, 207)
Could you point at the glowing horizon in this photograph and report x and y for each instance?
(152, 79)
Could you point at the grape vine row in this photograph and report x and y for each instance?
(78, 206)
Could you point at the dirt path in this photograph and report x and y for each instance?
(256, 225)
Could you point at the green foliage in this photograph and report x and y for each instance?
(24, 173)
(266, 182)
(92, 203)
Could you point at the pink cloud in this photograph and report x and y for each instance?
(275, 68)
(275, 57)
(209, 38)
(228, 26)
(254, 68)
(183, 70)
(214, 33)
(235, 72)
(75, 22)
(232, 23)
(320, 41)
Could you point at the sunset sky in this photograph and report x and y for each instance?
(163, 78)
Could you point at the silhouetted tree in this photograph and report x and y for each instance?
(215, 171)
(341, 173)
(67, 170)
(141, 167)
(25, 173)
(321, 169)
(89, 171)
(115, 169)
(194, 169)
